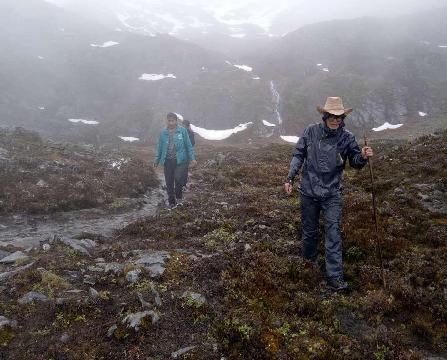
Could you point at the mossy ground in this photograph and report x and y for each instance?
(263, 300)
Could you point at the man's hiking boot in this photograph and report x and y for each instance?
(336, 284)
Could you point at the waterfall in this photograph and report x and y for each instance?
(276, 100)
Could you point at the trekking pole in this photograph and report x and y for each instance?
(373, 192)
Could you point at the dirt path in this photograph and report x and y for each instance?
(26, 231)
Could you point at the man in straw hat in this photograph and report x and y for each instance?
(321, 154)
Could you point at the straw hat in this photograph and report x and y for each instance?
(334, 106)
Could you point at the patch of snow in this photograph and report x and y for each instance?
(106, 44)
(87, 122)
(41, 107)
(227, 62)
(442, 46)
(117, 164)
(290, 139)
(266, 123)
(219, 134)
(40, 57)
(387, 126)
(118, 30)
(129, 138)
(422, 114)
(256, 78)
(156, 77)
(319, 64)
(244, 67)
(62, 29)
(326, 69)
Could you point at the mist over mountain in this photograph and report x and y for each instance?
(115, 68)
(57, 66)
(391, 70)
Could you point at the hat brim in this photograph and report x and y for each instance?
(322, 110)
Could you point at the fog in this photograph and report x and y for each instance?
(307, 11)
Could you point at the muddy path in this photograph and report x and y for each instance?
(26, 231)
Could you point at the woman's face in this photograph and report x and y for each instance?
(334, 122)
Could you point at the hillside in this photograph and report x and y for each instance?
(388, 70)
(56, 66)
(221, 277)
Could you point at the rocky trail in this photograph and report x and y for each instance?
(221, 277)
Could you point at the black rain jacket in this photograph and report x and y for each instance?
(322, 154)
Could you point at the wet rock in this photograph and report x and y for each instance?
(93, 293)
(143, 302)
(133, 276)
(89, 280)
(115, 268)
(46, 247)
(14, 257)
(31, 297)
(78, 245)
(9, 274)
(111, 331)
(65, 338)
(156, 295)
(153, 261)
(42, 183)
(4, 254)
(178, 353)
(135, 320)
(199, 299)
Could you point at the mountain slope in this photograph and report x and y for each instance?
(387, 69)
(56, 67)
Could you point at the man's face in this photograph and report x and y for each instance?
(334, 122)
(172, 122)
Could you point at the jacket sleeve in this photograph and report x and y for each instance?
(355, 157)
(159, 148)
(299, 155)
(188, 145)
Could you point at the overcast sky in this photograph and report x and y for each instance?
(261, 12)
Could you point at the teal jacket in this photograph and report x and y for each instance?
(183, 147)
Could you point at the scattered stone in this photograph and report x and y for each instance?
(4, 254)
(113, 267)
(154, 262)
(65, 338)
(14, 257)
(133, 276)
(46, 247)
(93, 293)
(196, 297)
(143, 302)
(247, 247)
(42, 183)
(89, 280)
(100, 260)
(181, 352)
(6, 275)
(31, 297)
(157, 298)
(4, 322)
(135, 320)
(111, 330)
(76, 245)
(399, 191)
(95, 269)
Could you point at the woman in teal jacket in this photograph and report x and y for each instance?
(174, 151)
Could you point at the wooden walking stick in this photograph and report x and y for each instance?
(373, 193)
